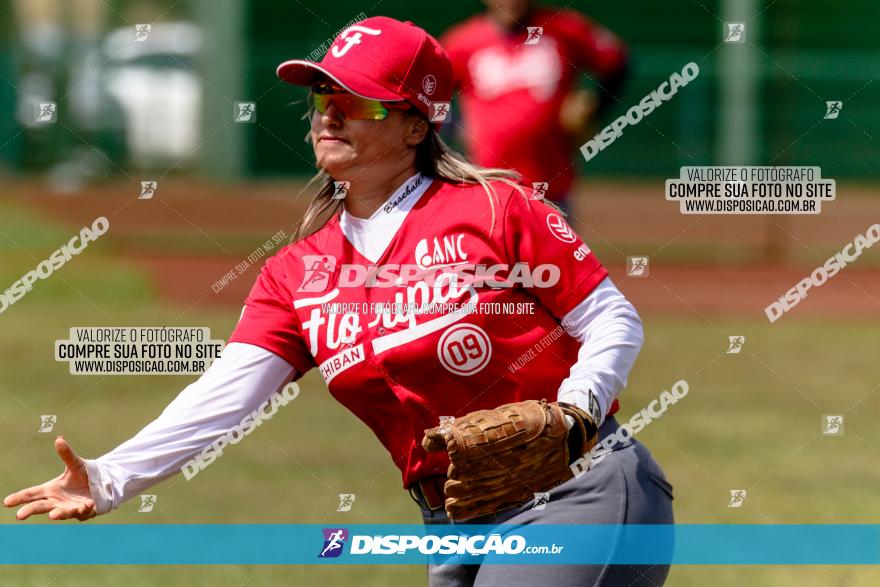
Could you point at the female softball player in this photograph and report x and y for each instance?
(449, 310)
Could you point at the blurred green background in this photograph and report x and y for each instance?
(799, 54)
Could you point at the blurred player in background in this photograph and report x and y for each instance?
(516, 68)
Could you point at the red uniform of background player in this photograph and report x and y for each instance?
(515, 86)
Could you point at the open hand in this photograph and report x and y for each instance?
(64, 497)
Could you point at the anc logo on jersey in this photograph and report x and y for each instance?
(439, 253)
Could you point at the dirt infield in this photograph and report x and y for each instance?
(192, 233)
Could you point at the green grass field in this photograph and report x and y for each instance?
(751, 421)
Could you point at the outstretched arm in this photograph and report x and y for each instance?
(237, 383)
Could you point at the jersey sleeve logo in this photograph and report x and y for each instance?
(560, 229)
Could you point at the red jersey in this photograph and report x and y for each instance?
(512, 85)
(479, 346)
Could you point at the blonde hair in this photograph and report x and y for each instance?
(434, 158)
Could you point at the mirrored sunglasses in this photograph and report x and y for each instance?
(353, 107)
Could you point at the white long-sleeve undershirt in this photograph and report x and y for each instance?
(611, 336)
(245, 376)
(238, 382)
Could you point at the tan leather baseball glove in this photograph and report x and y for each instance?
(500, 458)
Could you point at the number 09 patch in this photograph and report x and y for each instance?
(464, 349)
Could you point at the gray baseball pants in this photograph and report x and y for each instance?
(626, 487)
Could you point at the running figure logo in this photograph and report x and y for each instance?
(446, 424)
(539, 189)
(347, 341)
(340, 189)
(534, 35)
(246, 112)
(439, 111)
(46, 112)
(736, 344)
(47, 423)
(541, 501)
(141, 32)
(148, 188)
(318, 271)
(334, 539)
(737, 497)
(832, 424)
(833, 108)
(346, 500)
(637, 266)
(736, 32)
(147, 503)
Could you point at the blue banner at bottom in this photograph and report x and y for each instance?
(208, 544)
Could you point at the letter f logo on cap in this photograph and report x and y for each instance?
(395, 61)
(352, 36)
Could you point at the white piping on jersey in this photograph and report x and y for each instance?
(371, 236)
(402, 337)
(303, 302)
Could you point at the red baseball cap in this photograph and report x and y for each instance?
(380, 58)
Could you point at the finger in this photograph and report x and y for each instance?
(455, 489)
(87, 516)
(64, 513)
(86, 511)
(66, 453)
(37, 507)
(24, 496)
(82, 511)
(433, 440)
